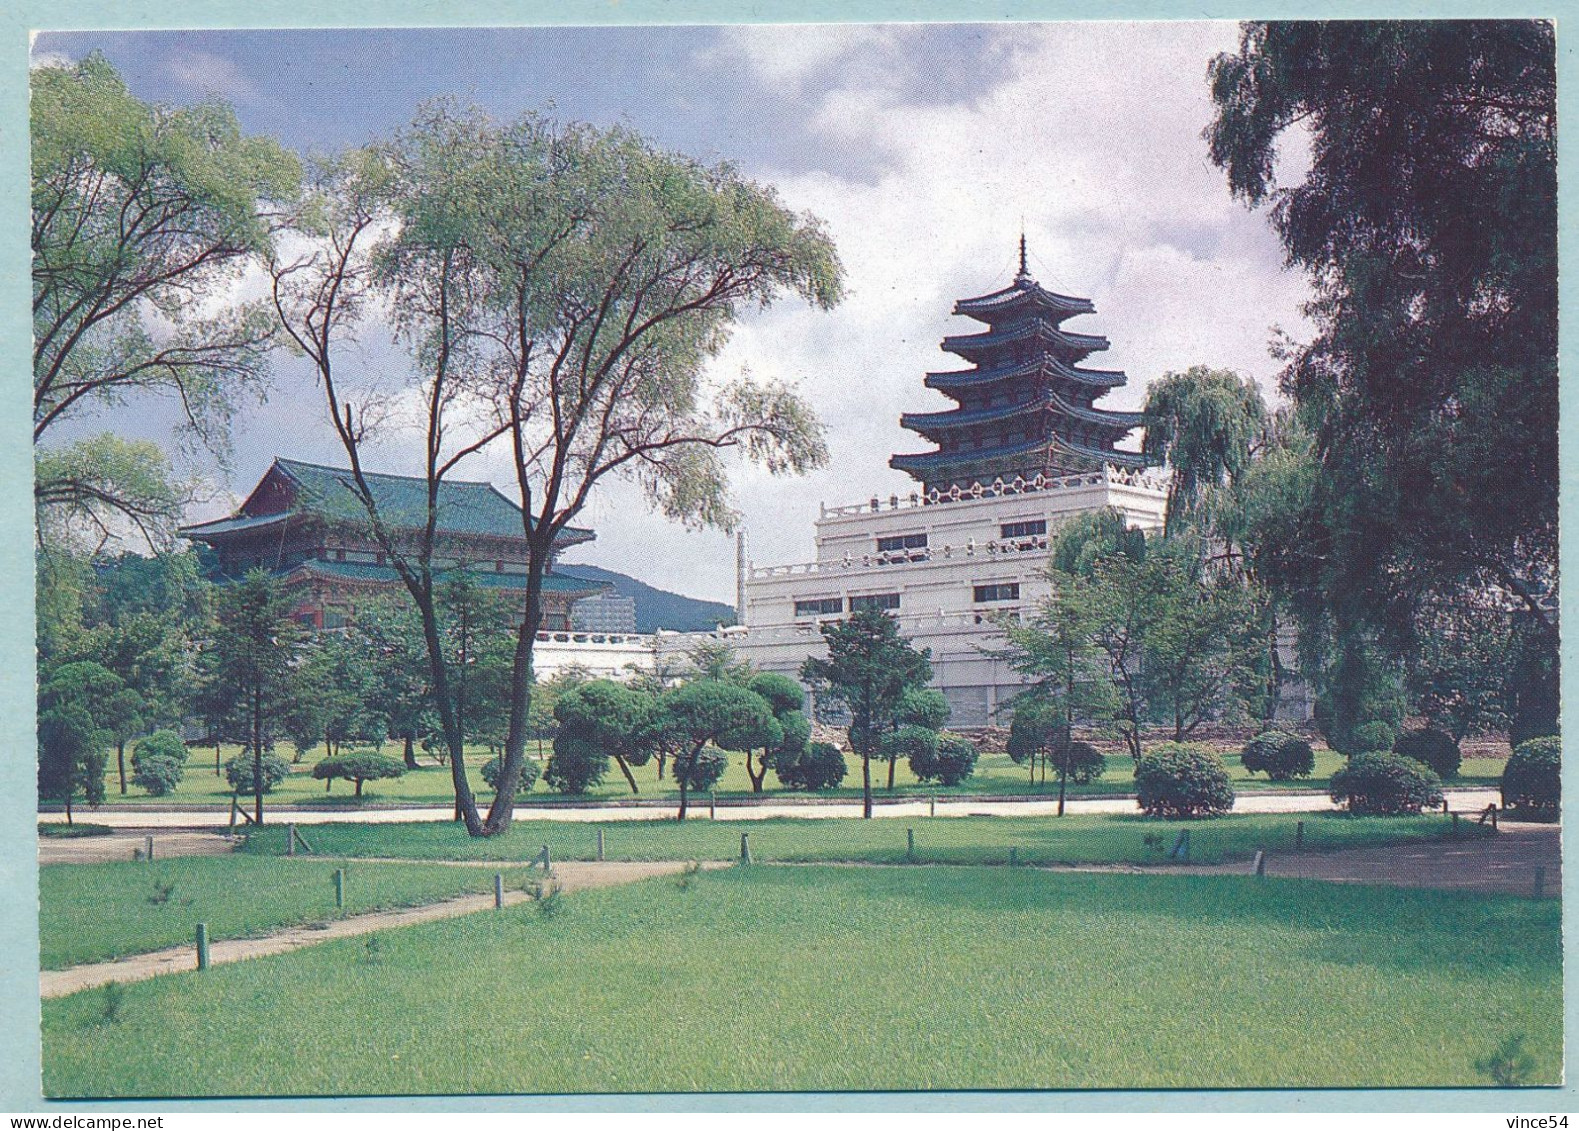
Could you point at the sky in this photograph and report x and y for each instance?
(926, 149)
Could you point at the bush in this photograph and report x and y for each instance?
(576, 765)
(529, 774)
(358, 768)
(1374, 737)
(1280, 756)
(1085, 762)
(818, 766)
(1436, 748)
(1532, 779)
(1178, 779)
(156, 774)
(950, 761)
(239, 772)
(1386, 785)
(161, 744)
(703, 771)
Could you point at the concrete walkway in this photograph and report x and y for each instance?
(1460, 800)
(571, 876)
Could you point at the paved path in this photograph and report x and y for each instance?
(1461, 801)
(572, 876)
(116, 847)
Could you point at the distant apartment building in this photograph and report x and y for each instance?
(605, 612)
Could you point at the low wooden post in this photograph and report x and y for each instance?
(1299, 835)
(712, 804)
(745, 848)
(290, 840)
(1444, 806)
(498, 890)
(202, 946)
(548, 864)
(1454, 830)
(148, 846)
(1540, 882)
(910, 844)
(933, 811)
(600, 844)
(1493, 809)
(339, 888)
(1260, 862)
(1014, 857)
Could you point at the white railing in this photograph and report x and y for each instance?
(850, 563)
(1144, 480)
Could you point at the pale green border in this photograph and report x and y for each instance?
(19, 1050)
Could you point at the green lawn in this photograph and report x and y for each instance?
(431, 785)
(92, 912)
(774, 978)
(953, 840)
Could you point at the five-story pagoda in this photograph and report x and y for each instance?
(1026, 407)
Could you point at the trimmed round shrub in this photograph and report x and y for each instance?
(1436, 748)
(704, 770)
(1374, 737)
(1280, 756)
(159, 763)
(238, 771)
(576, 765)
(1182, 780)
(1532, 779)
(357, 768)
(1386, 785)
(530, 772)
(949, 762)
(1084, 762)
(817, 766)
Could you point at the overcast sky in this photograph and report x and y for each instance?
(925, 149)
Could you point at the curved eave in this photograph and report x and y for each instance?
(967, 345)
(1022, 297)
(935, 425)
(921, 462)
(1133, 460)
(1032, 367)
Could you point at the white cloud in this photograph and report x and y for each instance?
(1094, 137)
(207, 74)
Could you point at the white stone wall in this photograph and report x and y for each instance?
(937, 585)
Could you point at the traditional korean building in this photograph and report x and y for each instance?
(1025, 406)
(305, 523)
(1024, 450)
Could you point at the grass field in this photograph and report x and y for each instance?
(92, 912)
(431, 785)
(772, 978)
(952, 840)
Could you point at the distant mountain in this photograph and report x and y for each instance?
(658, 608)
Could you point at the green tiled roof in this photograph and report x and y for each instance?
(464, 507)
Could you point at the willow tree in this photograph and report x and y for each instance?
(1204, 423)
(143, 218)
(562, 292)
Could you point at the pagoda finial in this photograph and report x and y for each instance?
(1025, 271)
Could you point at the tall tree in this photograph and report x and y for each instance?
(143, 218)
(1204, 423)
(868, 670)
(1427, 224)
(249, 666)
(562, 290)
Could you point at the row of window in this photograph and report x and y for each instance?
(827, 606)
(1026, 528)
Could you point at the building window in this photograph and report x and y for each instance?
(1030, 528)
(999, 591)
(874, 601)
(901, 542)
(819, 606)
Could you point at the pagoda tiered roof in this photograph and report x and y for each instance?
(1029, 367)
(1038, 330)
(1024, 408)
(927, 423)
(1020, 298)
